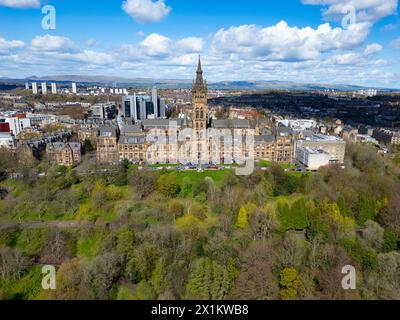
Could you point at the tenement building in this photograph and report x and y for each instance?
(107, 145)
(195, 138)
(64, 154)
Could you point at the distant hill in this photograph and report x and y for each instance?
(185, 83)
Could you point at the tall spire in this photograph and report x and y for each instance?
(199, 70)
(199, 77)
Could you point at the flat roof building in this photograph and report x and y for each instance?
(334, 146)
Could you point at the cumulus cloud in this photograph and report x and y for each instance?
(190, 45)
(246, 52)
(373, 49)
(53, 43)
(144, 11)
(156, 45)
(162, 47)
(7, 46)
(20, 3)
(366, 10)
(282, 42)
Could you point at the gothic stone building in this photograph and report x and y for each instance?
(135, 144)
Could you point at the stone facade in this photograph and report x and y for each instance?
(107, 145)
(162, 141)
(64, 154)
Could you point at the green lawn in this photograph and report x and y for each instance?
(195, 176)
(267, 164)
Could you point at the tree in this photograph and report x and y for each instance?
(125, 240)
(121, 178)
(373, 235)
(367, 208)
(390, 240)
(55, 250)
(242, 221)
(88, 146)
(175, 209)
(208, 281)
(143, 182)
(168, 185)
(186, 186)
(12, 263)
(256, 280)
(263, 222)
(293, 217)
(290, 283)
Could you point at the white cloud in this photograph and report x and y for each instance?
(156, 45)
(146, 10)
(346, 59)
(190, 45)
(53, 43)
(282, 42)
(20, 3)
(366, 10)
(6, 46)
(373, 49)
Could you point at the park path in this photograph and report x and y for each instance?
(46, 224)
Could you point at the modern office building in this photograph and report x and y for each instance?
(336, 147)
(140, 108)
(16, 123)
(104, 111)
(74, 91)
(312, 159)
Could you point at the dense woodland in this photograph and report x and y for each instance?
(213, 235)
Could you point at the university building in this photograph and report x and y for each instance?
(196, 138)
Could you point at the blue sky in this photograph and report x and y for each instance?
(296, 40)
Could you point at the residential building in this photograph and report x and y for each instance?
(34, 88)
(274, 148)
(107, 145)
(387, 136)
(44, 88)
(64, 154)
(299, 124)
(53, 88)
(133, 149)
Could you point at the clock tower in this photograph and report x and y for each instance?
(199, 101)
